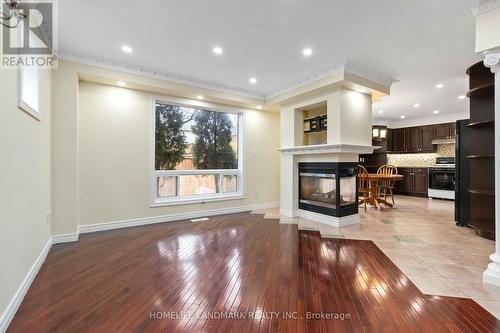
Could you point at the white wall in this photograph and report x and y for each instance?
(488, 30)
(24, 183)
(113, 161)
(421, 121)
(356, 110)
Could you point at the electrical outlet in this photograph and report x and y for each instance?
(256, 194)
(48, 217)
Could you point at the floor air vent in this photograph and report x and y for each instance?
(203, 219)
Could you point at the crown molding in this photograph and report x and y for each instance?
(347, 67)
(305, 81)
(473, 8)
(101, 62)
(152, 73)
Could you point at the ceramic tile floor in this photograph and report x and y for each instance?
(420, 236)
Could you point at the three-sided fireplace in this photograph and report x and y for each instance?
(329, 188)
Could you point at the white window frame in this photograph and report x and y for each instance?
(33, 110)
(156, 201)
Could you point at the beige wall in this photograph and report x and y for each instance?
(24, 183)
(110, 158)
(64, 149)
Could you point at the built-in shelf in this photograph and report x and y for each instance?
(481, 191)
(479, 208)
(314, 117)
(482, 123)
(480, 156)
(315, 123)
(483, 90)
(315, 131)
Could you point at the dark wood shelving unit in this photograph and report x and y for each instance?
(483, 123)
(481, 150)
(481, 192)
(481, 156)
(485, 89)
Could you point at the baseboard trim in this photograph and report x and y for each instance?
(330, 220)
(288, 213)
(65, 238)
(18, 297)
(83, 229)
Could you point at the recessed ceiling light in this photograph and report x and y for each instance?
(217, 50)
(259, 107)
(461, 97)
(307, 52)
(253, 80)
(439, 85)
(381, 111)
(121, 83)
(435, 111)
(200, 97)
(402, 117)
(416, 105)
(127, 49)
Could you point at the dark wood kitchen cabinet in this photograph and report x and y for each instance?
(404, 186)
(420, 181)
(427, 137)
(414, 183)
(418, 139)
(444, 131)
(414, 139)
(399, 138)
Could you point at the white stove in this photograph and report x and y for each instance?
(442, 179)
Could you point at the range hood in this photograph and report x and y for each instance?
(443, 141)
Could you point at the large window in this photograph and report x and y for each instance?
(197, 154)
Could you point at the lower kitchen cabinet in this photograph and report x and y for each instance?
(415, 182)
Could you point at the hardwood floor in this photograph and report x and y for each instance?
(270, 277)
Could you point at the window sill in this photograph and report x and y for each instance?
(191, 201)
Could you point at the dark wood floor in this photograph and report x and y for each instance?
(268, 277)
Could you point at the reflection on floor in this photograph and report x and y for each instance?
(233, 273)
(420, 236)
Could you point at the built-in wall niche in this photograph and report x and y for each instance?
(315, 123)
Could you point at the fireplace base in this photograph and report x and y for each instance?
(332, 221)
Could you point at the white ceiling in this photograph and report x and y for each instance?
(418, 42)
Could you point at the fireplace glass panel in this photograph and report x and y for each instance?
(347, 187)
(318, 189)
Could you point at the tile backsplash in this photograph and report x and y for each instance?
(446, 150)
(421, 160)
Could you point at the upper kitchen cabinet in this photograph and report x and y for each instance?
(427, 137)
(399, 140)
(420, 139)
(444, 131)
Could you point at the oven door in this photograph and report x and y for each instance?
(442, 179)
